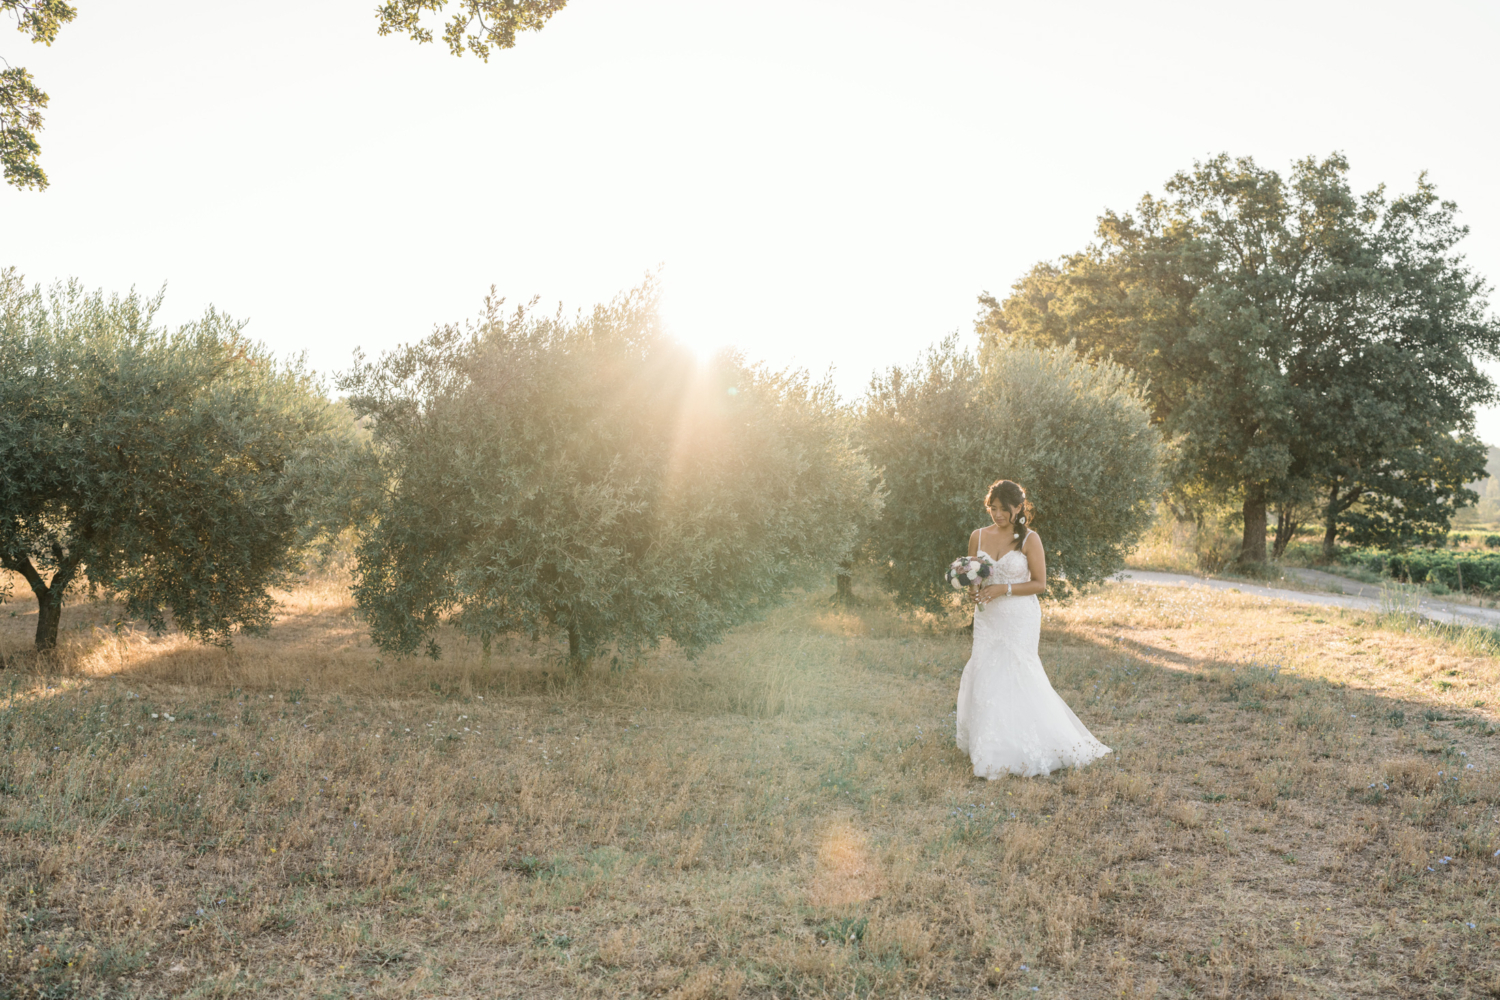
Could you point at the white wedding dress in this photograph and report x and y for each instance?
(1010, 721)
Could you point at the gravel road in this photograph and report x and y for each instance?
(1357, 596)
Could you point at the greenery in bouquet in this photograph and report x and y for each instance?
(971, 573)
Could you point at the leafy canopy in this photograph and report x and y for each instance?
(173, 469)
(1295, 337)
(478, 25)
(589, 478)
(1075, 434)
(21, 100)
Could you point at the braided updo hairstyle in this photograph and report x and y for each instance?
(1008, 495)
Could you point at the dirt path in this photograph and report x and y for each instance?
(1365, 597)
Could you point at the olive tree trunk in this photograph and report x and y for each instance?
(49, 593)
(843, 582)
(575, 649)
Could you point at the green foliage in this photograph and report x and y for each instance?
(498, 21)
(174, 469)
(587, 477)
(1473, 572)
(21, 100)
(1296, 338)
(1075, 434)
(1411, 497)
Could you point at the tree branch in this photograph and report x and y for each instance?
(20, 562)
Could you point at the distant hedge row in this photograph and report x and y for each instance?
(1488, 540)
(1476, 571)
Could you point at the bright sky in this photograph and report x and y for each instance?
(826, 183)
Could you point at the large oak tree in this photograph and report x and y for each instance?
(1294, 336)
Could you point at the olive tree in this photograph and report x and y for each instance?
(588, 478)
(1075, 434)
(173, 469)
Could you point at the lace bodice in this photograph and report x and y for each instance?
(1012, 568)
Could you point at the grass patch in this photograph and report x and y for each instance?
(1293, 809)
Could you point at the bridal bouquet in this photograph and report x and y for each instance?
(969, 571)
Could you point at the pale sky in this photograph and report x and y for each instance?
(825, 183)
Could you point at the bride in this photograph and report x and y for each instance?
(1009, 718)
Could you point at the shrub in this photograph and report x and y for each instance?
(174, 469)
(588, 478)
(1468, 571)
(1075, 434)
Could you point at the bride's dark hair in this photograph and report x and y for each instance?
(1008, 495)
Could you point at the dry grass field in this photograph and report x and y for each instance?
(1300, 804)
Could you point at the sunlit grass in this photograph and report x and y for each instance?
(786, 816)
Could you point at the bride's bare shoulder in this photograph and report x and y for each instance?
(1032, 539)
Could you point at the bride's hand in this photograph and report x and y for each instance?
(991, 592)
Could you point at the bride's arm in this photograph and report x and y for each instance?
(1036, 561)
